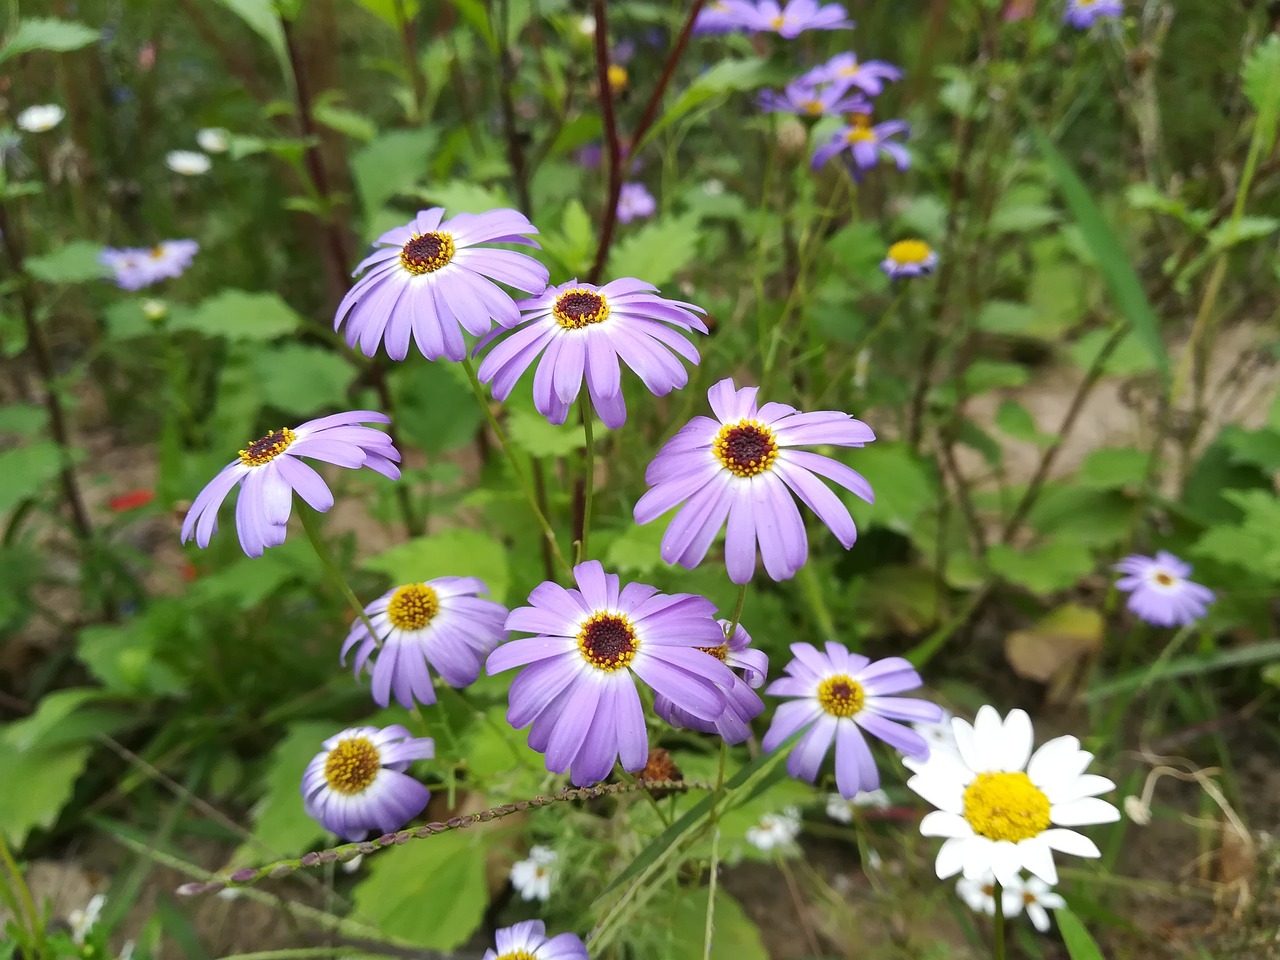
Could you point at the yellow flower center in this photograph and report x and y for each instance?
(413, 606)
(910, 251)
(841, 695)
(860, 129)
(352, 766)
(777, 23)
(517, 955)
(263, 451)
(721, 652)
(746, 448)
(617, 77)
(1006, 806)
(156, 252)
(607, 641)
(580, 307)
(1028, 898)
(1163, 579)
(427, 253)
(812, 107)
(851, 70)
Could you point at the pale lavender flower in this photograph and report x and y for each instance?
(812, 100)
(1159, 591)
(528, 940)
(135, 267)
(845, 70)
(578, 688)
(271, 472)
(635, 202)
(866, 144)
(358, 784)
(796, 17)
(582, 332)
(742, 469)
(439, 624)
(725, 16)
(742, 703)
(1083, 14)
(432, 278)
(838, 695)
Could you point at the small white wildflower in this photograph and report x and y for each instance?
(1037, 898)
(1137, 811)
(775, 830)
(532, 877)
(82, 921)
(841, 810)
(189, 163)
(980, 895)
(587, 26)
(940, 736)
(213, 140)
(230, 893)
(40, 118)
(713, 188)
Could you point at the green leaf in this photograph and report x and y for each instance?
(126, 319)
(1113, 468)
(1015, 420)
(1234, 232)
(1023, 218)
(27, 472)
(280, 826)
(1254, 542)
(657, 251)
(23, 419)
(47, 778)
(459, 552)
(905, 486)
(1128, 358)
(734, 936)
(532, 433)
(1261, 75)
(390, 164)
(240, 316)
(574, 244)
(1079, 944)
(1108, 254)
(1070, 511)
(637, 550)
(1042, 570)
(75, 262)
(124, 659)
(302, 379)
(1006, 317)
(422, 392)
(431, 892)
(52, 710)
(355, 125)
(729, 76)
(1258, 447)
(1231, 658)
(392, 12)
(262, 18)
(46, 33)
(463, 196)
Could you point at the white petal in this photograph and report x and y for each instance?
(978, 854)
(967, 744)
(1039, 918)
(939, 823)
(1069, 841)
(942, 791)
(1006, 860)
(1075, 813)
(988, 736)
(1087, 785)
(1057, 761)
(1017, 740)
(1038, 859)
(951, 858)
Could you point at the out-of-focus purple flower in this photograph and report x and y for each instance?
(271, 471)
(623, 52)
(812, 100)
(725, 16)
(589, 155)
(741, 470)
(844, 70)
(1083, 14)
(837, 696)
(909, 258)
(135, 268)
(742, 703)
(1159, 591)
(357, 783)
(635, 203)
(578, 688)
(442, 624)
(433, 278)
(865, 144)
(797, 17)
(582, 332)
(528, 940)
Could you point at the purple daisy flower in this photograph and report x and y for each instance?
(866, 144)
(135, 268)
(844, 70)
(725, 16)
(431, 279)
(742, 468)
(838, 696)
(271, 473)
(742, 703)
(357, 783)
(1083, 14)
(1159, 591)
(438, 624)
(635, 202)
(796, 17)
(909, 258)
(528, 940)
(812, 100)
(578, 688)
(582, 332)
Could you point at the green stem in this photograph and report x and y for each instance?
(588, 476)
(22, 892)
(312, 530)
(812, 591)
(709, 927)
(496, 427)
(999, 952)
(736, 618)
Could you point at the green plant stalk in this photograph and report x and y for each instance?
(998, 951)
(309, 525)
(709, 927)
(812, 591)
(588, 476)
(20, 892)
(529, 496)
(737, 613)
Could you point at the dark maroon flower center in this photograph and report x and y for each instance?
(607, 641)
(580, 307)
(427, 253)
(267, 448)
(747, 447)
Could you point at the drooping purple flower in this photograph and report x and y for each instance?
(742, 703)
(1159, 591)
(432, 278)
(135, 267)
(439, 624)
(837, 697)
(844, 70)
(582, 332)
(812, 100)
(796, 17)
(1083, 14)
(358, 784)
(865, 144)
(528, 940)
(741, 470)
(635, 202)
(271, 471)
(725, 16)
(578, 688)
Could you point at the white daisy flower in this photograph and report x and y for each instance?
(82, 921)
(938, 735)
(841, 810)
(1037, 898)
(189, 163)
(213, 140)
(980, 895)
(776, 831)
(40, 118)
(1003, 809)
(532, 877)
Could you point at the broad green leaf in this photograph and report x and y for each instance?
(1123, 283)
(431, 892)
(532, 433)
(657, 251)
(75, 262)
(302, 379)
(47, 778)
(638, 550)
(728, 76)
(1113, 468)
(734, 936)
(124, 659)
(1254, 542)
(462, 196)
(126, 319)
(247, 582)
(27, 472)
(436, 409)
(262, 18)
(1258, 447)
(1023, 218)
(52, 710)
(23, 419)
(905, 485)
(1042, 570)
(356, 125)
(1015, 420)
(280, 826)
(1080, 945)
(1128, 358)
(574, 244)
(392, 12)
(240, 315)
(460, 552)
(390, 164)
(1261, 74)
(1006, 317)
(46, 33)
(476, 14)
(1233, 232)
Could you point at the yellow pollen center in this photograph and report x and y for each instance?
(617, 77)
(580, 307)
(859, 129)
(989, 890)
(517, 955)
(745, 448)
(777, 23)
(157, 253)
(1006, 806)
(427, 253)
(812, 107)
(413, 606)
(263, 451)
(352, 766)
(1028, 898)
(1164, 579)
(721, 652)
(607, 641)
(910, 251)
(841, 695)
(850, 71)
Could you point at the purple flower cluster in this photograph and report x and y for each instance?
(767, 16)
(1083, 14)
(135, 267)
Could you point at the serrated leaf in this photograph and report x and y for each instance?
(47, 33)
(657, 251)
(462, 196)
(421, 392)
(1113, 468)
(47, 778)
(280, 825)
(75, 262)
(239, 315)
(1043, 570)
(452, 553)
(390, 164)
(905, 485)
(532, 433)
(355, 125)
(1261, 75)
(302, 379)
